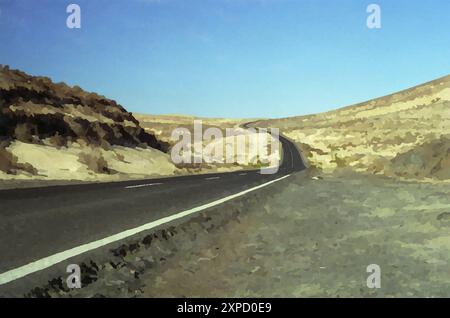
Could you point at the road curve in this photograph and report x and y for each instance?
(38, 222)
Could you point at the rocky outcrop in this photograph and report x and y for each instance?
(432, 160)
(34, 108)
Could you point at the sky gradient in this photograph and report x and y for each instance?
(230, 58)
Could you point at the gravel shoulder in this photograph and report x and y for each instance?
(316, 239)
(305, 237)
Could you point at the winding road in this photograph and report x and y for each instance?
(41, 227)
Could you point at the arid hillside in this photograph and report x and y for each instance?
(34, 108)
(54, 131)
(404, 134)
(162, 126)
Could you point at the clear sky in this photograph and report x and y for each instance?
(230, 58)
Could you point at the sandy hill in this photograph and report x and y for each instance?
(404, 134)
(162, 125)
(54, 131)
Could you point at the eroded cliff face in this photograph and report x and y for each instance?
(33, 109)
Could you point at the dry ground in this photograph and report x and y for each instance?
(303, 237)
(316, 239)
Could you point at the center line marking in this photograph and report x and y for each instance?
(49, 261)
(212, 178)
(142, 185)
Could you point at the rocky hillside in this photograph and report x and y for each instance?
(53, 131)
(34, 108)
(380, 135)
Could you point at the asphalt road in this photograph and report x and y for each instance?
(39, 222)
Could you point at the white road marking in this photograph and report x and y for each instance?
(243, 174)
(142, 185)
(54, 259)
(212, 178)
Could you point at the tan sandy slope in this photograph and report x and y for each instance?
(393, 135)
(55, 132)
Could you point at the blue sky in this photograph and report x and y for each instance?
(230, 58)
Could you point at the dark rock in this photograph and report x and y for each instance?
(34, 108)
(445, 216)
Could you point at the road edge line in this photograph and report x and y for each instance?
(54, 259)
